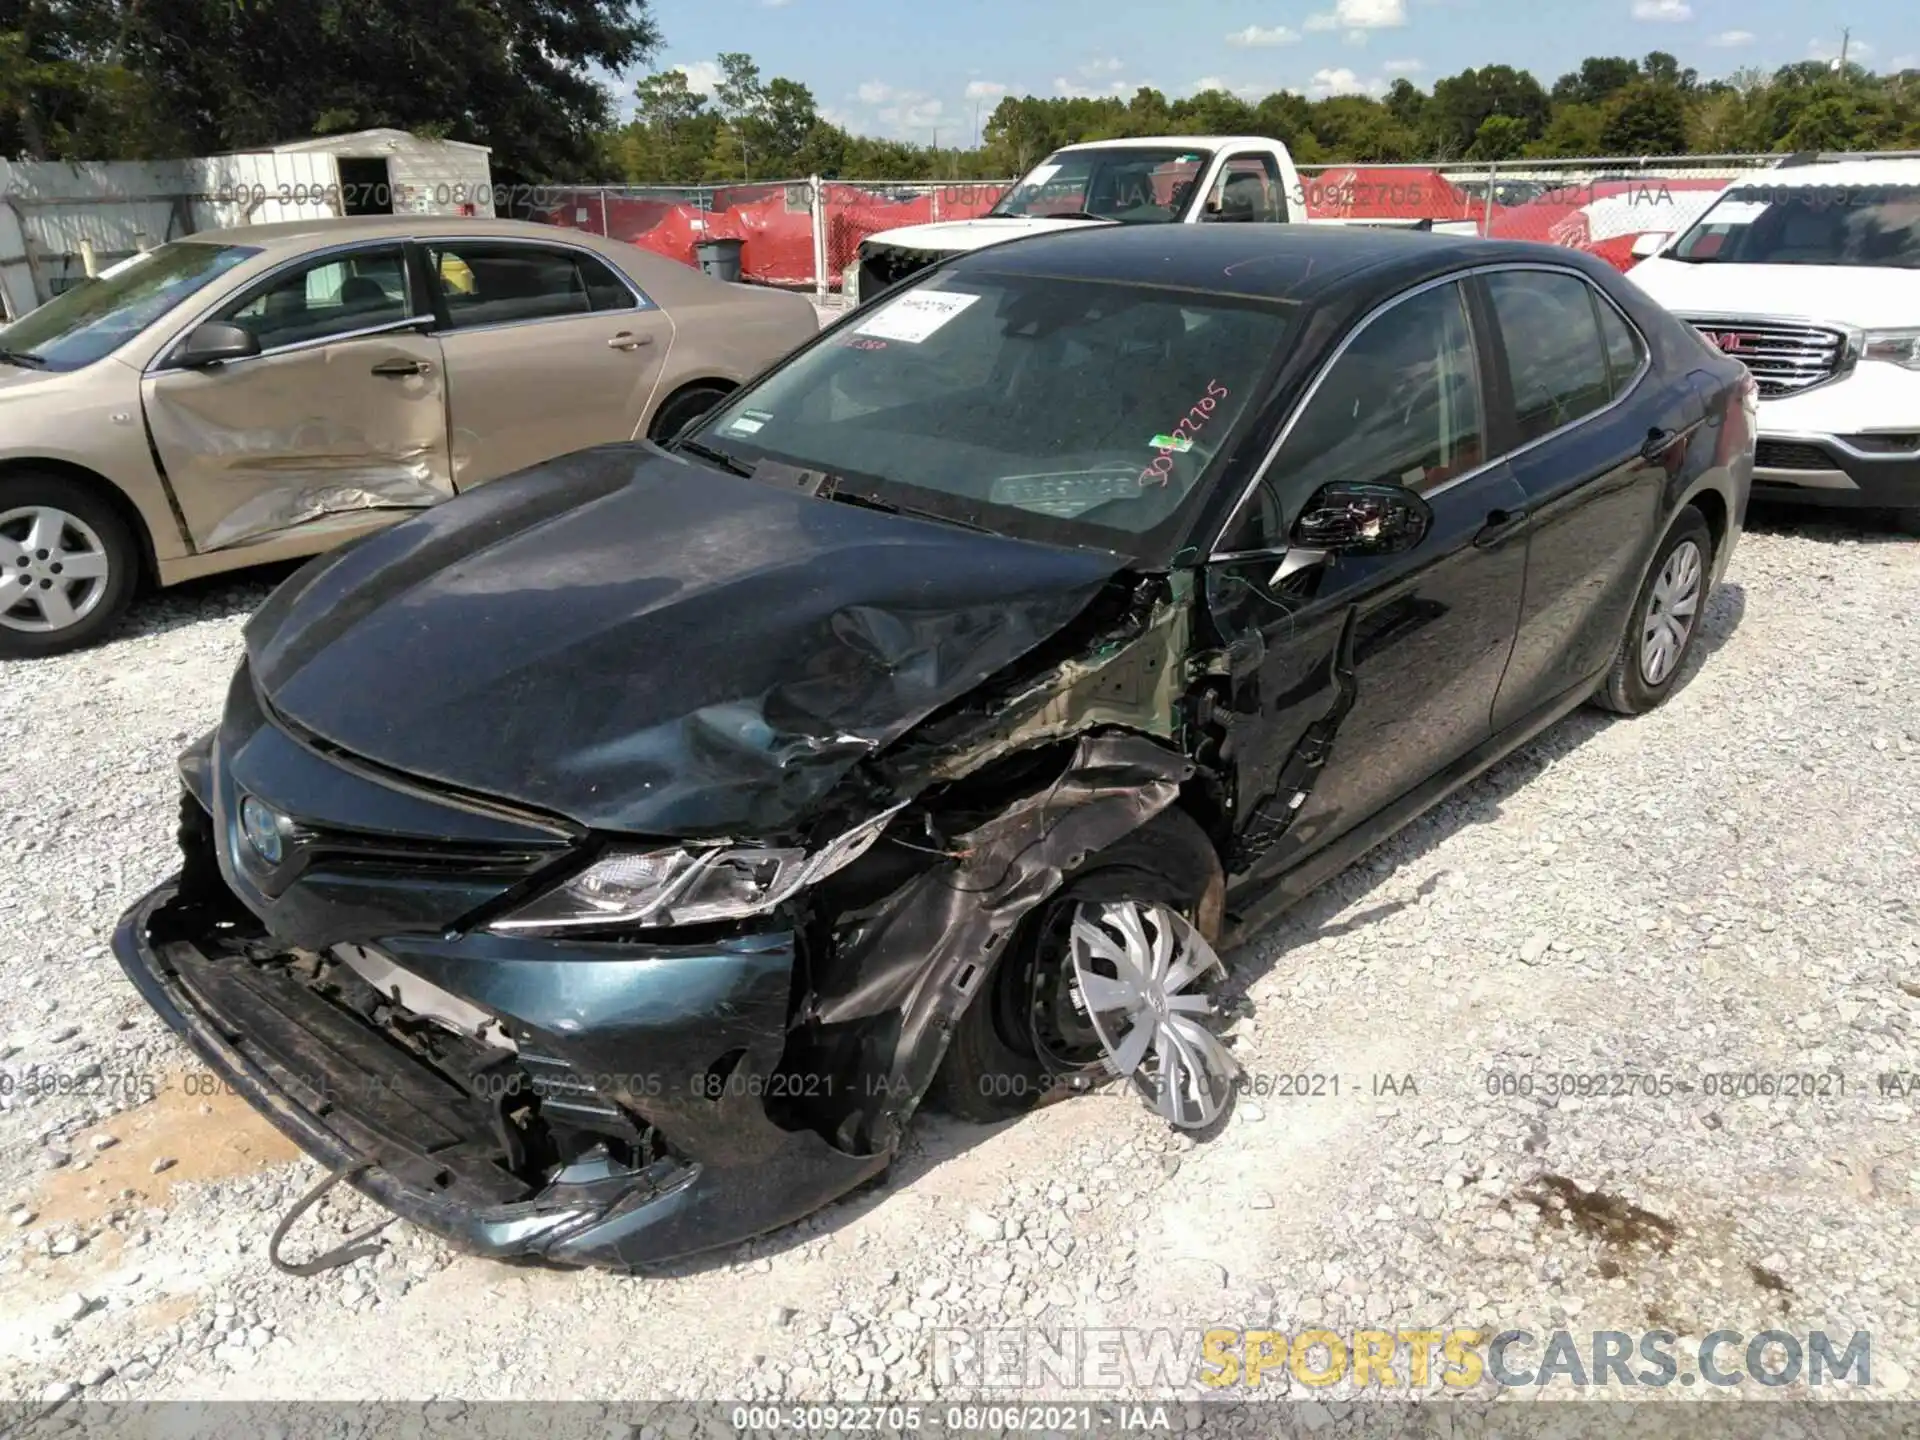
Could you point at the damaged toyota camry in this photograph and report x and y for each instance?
(606, 865)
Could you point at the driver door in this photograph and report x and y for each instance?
(1388, 665)
(344, 409)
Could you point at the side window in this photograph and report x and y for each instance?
(1554, 349)
(1249, 188)
(1401, 405)
(1624, 350)
(335, 296)
(491, 283)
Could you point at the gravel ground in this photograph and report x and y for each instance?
(1724, 888)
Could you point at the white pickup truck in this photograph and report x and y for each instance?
(1157, 180)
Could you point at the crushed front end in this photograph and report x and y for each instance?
(586, 1101)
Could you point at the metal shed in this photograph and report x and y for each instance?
(392, 172)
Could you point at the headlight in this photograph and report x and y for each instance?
(687, 886)
(1902, 347)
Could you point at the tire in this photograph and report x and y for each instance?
(90, 533)
(991, 1071)
(1641, 678)
(682, 407)
(1905, 521)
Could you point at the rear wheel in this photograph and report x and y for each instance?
(1113, 974)
(1665, 620)
(68, 566)
(682, 409)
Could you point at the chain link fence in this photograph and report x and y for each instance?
(806, 233)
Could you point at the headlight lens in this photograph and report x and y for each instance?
(686, 886)
(1902, 347)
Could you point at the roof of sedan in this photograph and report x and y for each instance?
(334, 230)
(1291, 262)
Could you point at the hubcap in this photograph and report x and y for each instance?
(53, 569)
(1670, 613)
(1135, 969)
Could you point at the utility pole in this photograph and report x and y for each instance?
(1845, 36)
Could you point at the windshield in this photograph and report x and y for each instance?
(98, 316)
(1127, 183)
(1808, 225)
(1069, 411)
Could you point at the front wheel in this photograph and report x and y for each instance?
(68, 566)
(1665, 620)
(1113, 975)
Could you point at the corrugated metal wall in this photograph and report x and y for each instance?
(47, 209)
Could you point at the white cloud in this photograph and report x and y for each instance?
(703, 76)
(1261, 37)
(1074, 90)
(776, 4)
(985, 90)
(1730, 39)
(1404, 67)
(1342, 81)
(876, 92)
(1106, 65)
(1665, 10)
(1903, 62)
(1361, 15)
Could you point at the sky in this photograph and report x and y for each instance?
(930, 70)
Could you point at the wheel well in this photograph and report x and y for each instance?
(1713, 505)
(715, 383)
(116, 497)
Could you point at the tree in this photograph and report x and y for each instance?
(515, 75)
(1500, 137)
(1662, 69)
(1599, 77)
(1462, 103)
(1646, 118)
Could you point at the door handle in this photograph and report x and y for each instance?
(1657, 443)
(627, 340)
(1501, 525)
(393, 368)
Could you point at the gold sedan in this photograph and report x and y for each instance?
(264, 393)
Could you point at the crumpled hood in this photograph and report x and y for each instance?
(950, 236)
(1865, 296)
(642, 644)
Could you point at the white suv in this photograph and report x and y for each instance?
(1810, 274)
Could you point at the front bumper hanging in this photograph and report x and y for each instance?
(420, 1145)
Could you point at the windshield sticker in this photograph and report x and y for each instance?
(912, 318)
(861, 342)
(748, 422)
(1180, 441)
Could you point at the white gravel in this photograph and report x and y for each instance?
(1726, 887)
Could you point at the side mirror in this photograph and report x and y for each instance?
(1650, 243)
(214, 343)
(1353, 518)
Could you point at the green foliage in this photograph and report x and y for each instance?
(129, 79)
(136, 79)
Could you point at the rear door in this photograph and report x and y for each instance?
(548, 350)
(1391, 661)
(1597, 438)
(343, 410)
